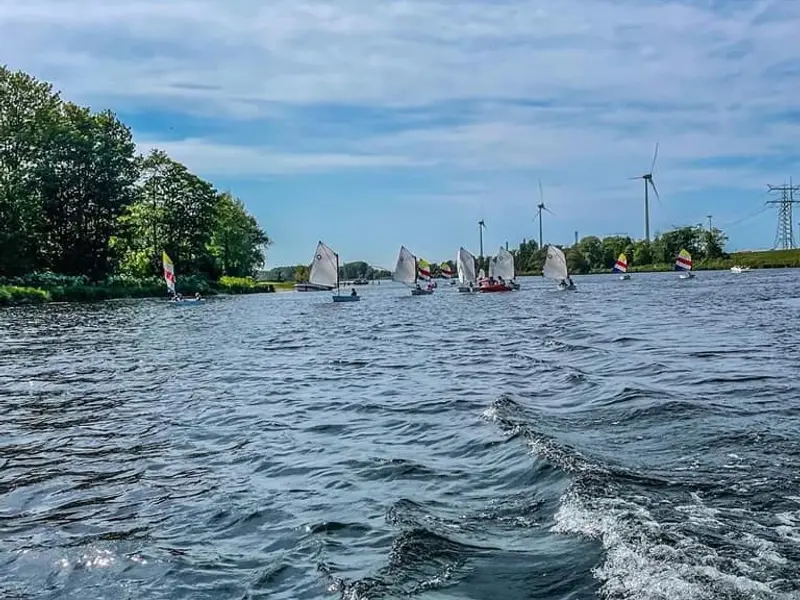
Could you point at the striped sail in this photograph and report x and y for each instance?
(424, 269)
(447, 272)
(621, 266)
(684, 261)
(169, 271)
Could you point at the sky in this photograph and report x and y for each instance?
(370, 124)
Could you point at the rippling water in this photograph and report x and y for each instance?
(633, 440)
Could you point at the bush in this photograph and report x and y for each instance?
(243, 285)
(15, 295)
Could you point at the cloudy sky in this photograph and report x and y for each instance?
(369, 124)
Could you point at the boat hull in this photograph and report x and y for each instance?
(311, 287)
(187, 302)
(687, 275)
(421, 292)
(465, 289)
(625, 277)
(497, 287)
(347, 298)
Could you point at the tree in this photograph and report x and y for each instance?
(76, 199)
(237, 241)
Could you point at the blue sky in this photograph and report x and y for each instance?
(374, 124)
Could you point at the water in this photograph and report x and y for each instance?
(633, 440)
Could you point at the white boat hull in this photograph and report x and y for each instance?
(686, 275)
(624, 277)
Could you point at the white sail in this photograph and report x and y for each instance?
(405, 271)
(465, 264)
(555, 266)
(502, 265)
(325, 267)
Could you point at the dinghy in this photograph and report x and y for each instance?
(739, 269)
(465, 265)
(447, 273)
(169, 277)
(501, 273)
(555, 268)
(325, 272)
(684, 264)
(408, 270)
(621, 266)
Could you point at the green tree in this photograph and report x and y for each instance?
(29, 113)
(237, 241)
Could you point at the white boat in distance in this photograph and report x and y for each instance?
(465, 266)
(325, 272)
(555, 268)
(739, 269)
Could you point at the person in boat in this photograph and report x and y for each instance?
(419, 288)
(570, 284)
(431, 286)
(197, 296)
(353, 292)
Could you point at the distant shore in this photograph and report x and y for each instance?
(44, 288)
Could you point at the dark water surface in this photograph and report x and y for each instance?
(633, 440)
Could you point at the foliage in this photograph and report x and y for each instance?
(15, 295)
(76, 199)
(347, 272)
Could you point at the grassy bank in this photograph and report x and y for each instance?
(48, 287)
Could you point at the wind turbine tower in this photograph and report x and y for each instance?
(648, 180)
(541, 207)
(481, 227)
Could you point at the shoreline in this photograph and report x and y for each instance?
(45, 289)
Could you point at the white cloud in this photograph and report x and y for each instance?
(231, 160)
(707, 80)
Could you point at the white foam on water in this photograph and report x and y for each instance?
(648, 560)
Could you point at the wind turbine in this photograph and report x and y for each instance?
(481, 227)
(648, 178)
(541, 207)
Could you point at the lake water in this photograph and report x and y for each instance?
(632, 440)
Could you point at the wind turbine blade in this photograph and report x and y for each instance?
(550, 211)
(639, 177)
(541, 193)
(655, 155)
(653, 185)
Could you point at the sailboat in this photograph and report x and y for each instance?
(465, 265)
(407, 271)
(447, 272)
(500, 272)
(555, 268)
(684, 264)
(169, 277)
(325, 272)
(621, 266)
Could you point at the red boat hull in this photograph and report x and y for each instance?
(497, 287)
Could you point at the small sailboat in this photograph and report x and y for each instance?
(621, 266)
(465, 265)
(739, 269)
(501, 272)
(169, 277)
(325, 272)
(408, 270)
(684, 264)
(447, 272)
(555, 268)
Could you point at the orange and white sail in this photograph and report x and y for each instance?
(621, 266)
(169, 271)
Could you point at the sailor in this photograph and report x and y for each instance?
(353, 292)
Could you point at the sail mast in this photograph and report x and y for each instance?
(337, 273)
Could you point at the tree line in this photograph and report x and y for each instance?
(77, 199)
(592, 253)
